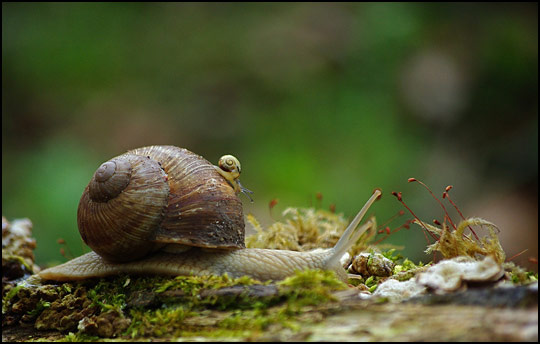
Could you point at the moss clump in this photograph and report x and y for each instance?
(193, 305)
(161, 307)
(454, 243)
(518, 275)
(26, 304)
(408, 269)
(65, 312)
(303, 229)
(78, 337)
(310, 287)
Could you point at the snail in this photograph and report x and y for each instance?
(229, 167)
(165, 210)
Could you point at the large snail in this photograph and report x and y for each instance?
(165, 210)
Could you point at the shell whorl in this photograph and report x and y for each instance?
(158, 195)
(110, 179)
(230, 163)
(117, 223)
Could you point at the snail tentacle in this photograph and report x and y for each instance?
(353, 232)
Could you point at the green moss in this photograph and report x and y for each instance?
(78, 337)
(389, 254)
(186, 306)
(238, 315)
(6, 300)
(158, 322)
(310, 287)
(39, 308)
(408, 269)
(454, 243)
(20, 260)
(518, 275)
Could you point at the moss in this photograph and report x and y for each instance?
(65, 312)
(24, 303)
(303, 229)
(310, 287)
(42, 305)
(518, 275)
(78, 337)
(167, 308)
(389, 254)
(408, 269)
(231, 316)
(6, 300)
(454, 243)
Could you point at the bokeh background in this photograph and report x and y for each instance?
(336, 98)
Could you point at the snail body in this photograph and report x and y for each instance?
(165, 210)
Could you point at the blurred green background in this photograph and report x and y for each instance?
(336, 98)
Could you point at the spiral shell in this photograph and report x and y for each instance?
(152, 196)
(229, 163)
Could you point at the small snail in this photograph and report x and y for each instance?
(229, 167)
(165, 210)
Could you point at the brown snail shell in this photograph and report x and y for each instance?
(149, 197)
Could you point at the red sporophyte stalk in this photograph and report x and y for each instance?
(442, 205)
(517, 255)
(406, 225)
(271, 206)
(392, 218)
(400, 199)
(318, 197)
(447, 196)
(385, 228)
(272, 203)
(389, 231)
(69, 254)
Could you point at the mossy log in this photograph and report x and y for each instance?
(287, 311)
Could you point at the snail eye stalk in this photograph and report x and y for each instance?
(245, 191)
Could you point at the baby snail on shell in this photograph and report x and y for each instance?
(165, 210)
